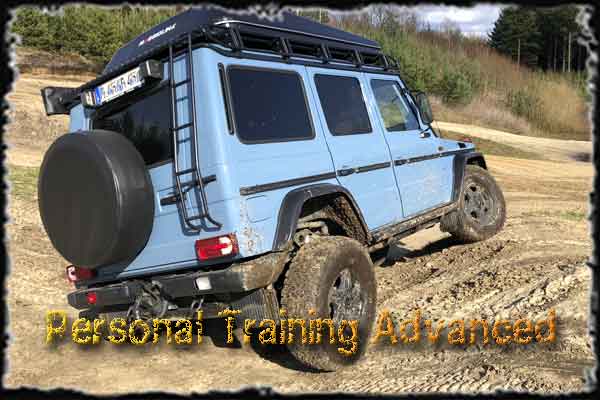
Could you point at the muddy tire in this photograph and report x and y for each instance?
(334, 276)
(481, 209)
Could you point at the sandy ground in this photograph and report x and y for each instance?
(536, 263)
(551, 149)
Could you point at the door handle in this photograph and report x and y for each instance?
(424, 134)
(345, 171)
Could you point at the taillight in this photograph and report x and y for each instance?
(75, 274)
(216, 247)
(91, 297)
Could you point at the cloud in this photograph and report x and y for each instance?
(478, 20)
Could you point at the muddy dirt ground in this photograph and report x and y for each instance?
(536, 263)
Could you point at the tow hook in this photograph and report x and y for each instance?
(149, 303)
(195, 307)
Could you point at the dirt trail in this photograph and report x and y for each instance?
(536, 263)
(551, 149)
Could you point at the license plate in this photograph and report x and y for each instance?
(118, 86)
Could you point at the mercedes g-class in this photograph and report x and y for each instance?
(226, 160)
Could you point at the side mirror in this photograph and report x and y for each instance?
(424, 107)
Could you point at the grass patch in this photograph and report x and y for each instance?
(23, 181)
(490, 147)
(569, 215)
(573, 215)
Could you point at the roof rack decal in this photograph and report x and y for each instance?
(157, 34)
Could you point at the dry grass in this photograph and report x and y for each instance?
(512, 97)
(548, 107)
(485, 111)
(548, 102)
(561, 113)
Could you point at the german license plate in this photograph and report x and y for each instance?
(118, 86)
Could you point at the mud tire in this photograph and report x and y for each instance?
(308, 283)
(461, 223)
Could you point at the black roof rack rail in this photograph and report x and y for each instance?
(358, 59)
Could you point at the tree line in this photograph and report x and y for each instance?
(91, 31)
(543, 38)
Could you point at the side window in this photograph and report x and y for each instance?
(397, 115)
(268, 105)
(343, 104)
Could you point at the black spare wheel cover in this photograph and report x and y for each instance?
(95, 198)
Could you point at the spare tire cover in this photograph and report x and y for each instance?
(95, 198)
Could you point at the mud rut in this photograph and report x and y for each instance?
(536, 263)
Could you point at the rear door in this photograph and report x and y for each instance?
(145, 118)
(359, 151)
(424, 177)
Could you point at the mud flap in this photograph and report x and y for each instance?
(259, 304)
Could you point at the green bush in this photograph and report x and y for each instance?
(455, 87)
(523, 102)
(34, 28)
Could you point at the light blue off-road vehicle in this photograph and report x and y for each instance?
(231, 160)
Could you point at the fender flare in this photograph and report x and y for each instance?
(291, 207)
(460, 162)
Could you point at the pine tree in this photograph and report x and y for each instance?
(555, 26)
(516, 34)
(538, 37)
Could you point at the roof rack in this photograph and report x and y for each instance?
(307, 46)
(242, 38)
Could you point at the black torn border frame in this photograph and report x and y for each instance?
(591, 23)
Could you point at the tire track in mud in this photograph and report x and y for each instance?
(497, 278)
(498, 272)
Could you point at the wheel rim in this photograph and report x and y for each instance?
(479, 205)
(346, 301)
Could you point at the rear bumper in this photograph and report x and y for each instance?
(238, 278)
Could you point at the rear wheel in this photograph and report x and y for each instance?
(334, 277)
(481, 209)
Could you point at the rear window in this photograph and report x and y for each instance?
(269, 105)
(146, 122)
(343, 104)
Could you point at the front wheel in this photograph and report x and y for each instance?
(333, 276)
(481, 209)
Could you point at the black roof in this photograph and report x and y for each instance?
(196, 18)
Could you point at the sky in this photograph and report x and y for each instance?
(473, 21)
